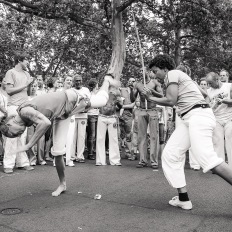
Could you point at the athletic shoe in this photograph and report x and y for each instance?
(43, 163)
(182, 204)
(71, 164)
(141, 165)
(27, 168)
(154, 166)
(8, 170)
(80, 160)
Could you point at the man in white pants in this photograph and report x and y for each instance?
(56, 107)
(16, 83)
(196, 131)
(219, 96)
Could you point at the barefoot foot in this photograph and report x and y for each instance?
(60, 189)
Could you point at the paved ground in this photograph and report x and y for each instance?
(133, 200)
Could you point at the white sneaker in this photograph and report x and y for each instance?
(182, 204)
(71, 164)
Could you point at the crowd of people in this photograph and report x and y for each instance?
(109, 123)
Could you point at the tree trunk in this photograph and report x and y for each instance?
(177, 47)
(118, 42)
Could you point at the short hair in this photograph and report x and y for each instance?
(163, 61)
(20, 57)
(214, 75)
(92, 83)
(227, 73)
(4, 128)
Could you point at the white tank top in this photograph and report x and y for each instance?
(221, 111)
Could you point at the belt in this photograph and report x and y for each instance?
(194, 107)
(108, 116)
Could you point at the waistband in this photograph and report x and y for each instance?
(108, 116)
(155, 109)
(194, 107)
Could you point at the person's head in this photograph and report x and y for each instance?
(56, 83)
(21, 59)
(77, 81)
(184, 68)
(213, 80)
(60, 85)
(224, 76)
(61, 79)
(11, 128)
(160, 66)
(131, 82)
(93, 84)
(68, 82)
(203, 84)
(33, 88)
(40, 81)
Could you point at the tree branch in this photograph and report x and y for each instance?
(124, 5)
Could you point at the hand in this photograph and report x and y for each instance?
(146, 92)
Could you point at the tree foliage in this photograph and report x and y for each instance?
(87, 37)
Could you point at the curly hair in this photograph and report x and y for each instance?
(162, 62)
(92, 83)
(184, 68)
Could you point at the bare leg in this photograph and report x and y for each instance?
(60, 166)
(224, 171)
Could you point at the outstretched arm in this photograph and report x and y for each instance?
(41, 122)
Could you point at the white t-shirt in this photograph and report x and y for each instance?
(188, 93)
(16, 78)
(84, 92)
(221, 111)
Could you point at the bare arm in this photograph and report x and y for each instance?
(169, 100)
(129, 106)
(203, 92)
(11, 90)
(228, 101)
(42, 124)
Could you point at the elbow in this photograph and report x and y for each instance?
(48, 123)
(9, 93)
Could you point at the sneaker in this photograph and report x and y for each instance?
(49, 159)
(33, 163)
(118, 164)
(8, 170)
(154, 166)
(182, 204)
(71, 164)
(43, 163)
(27, 168)
(91, 157)
(141, 165)
(100, 164)
(80, 160)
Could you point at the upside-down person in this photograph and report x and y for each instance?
(57, 108)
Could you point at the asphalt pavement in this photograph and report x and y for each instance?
(132, 200)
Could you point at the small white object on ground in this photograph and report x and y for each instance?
(97, 197)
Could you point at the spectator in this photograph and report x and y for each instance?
(40, 84)
(16, 83)
(92, 121)
(224, 76)
(203, 84)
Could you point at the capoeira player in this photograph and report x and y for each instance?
(195, 131)
(57, 108)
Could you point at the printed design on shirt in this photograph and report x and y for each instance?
(115, 125)
(83, 122)
(214, 103)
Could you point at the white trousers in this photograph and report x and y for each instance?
(192, 160)
(14, 159)
(196, 132)
(222, 137)
(111, 124)
(76, 138)
(61, 127)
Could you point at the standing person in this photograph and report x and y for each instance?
(107, 121)
(56, 107)
(40, 83)
(16, 83)
(92, 121)
(148, 114)
(224, 76)
(220, 99)
(203, 84)
(36, 153)
(196, 130)
(78, 138)
(125, 120)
